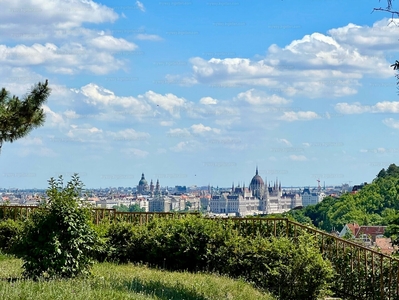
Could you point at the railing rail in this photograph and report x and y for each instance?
(22, 212)
(362, 273)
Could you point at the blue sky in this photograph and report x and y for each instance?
(198, 92)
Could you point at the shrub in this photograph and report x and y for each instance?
(9, 232)
(178, 244)
(289, 269)
(187, 243)
(101, 252)
(127, 243)
(59, 241)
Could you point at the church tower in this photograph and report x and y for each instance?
(151, 187)
(157, 188)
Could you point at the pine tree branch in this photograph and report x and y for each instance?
(19, 117)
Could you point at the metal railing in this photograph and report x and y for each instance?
(16, 212)
(99, 215)
(361, 272)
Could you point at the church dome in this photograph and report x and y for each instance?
(257, 180)
(142, 180)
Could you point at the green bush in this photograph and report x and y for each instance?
(177, 244)
(9, 232)
(59, 241)
(287, 268)
(100, 253)
(187, 243)
(126, 243)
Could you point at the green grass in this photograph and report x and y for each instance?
(110, 281)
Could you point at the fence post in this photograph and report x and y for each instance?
(390, 278)
(382, 276)
(397, 279)
(365, 268)
(287, 227)
(358, 270)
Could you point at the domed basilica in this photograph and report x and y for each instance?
(143, 187)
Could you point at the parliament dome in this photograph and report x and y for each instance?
(256, 180)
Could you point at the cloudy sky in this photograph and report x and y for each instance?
(197, 92)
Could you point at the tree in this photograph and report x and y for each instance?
(394, 13)
(59, 240)
(19, 117)
(121, 208)
(130, 208)
(136, 208)
(388, 9)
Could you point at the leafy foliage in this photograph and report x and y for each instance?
(59, 241)
(130, 208)
(198, 244)
(375, 204)
(9, 232)
(289, 269)
(19, 117)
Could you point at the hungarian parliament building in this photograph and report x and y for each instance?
(257, 198)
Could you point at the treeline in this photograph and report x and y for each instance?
(376, 203)
(130, 208)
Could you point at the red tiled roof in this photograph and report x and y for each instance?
(353, 227)
(384, 245)
(373, 231)
(370, 231)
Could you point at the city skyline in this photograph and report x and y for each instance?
(195, 93)
(240, 183)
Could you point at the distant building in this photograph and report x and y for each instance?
(368, 235)
(159, 204)
(311, 198)
(258, 198)
(291, 199)
(143, 187)
(162, 201)
(180, 189)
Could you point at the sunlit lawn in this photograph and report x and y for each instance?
(110, 281)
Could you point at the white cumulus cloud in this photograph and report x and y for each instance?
(316, 65)
(208, 101)
(358, 108)
(291, 116)
(254, 97)
(200, 128)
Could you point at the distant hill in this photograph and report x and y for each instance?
(376, 203)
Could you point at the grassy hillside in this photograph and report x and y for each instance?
(110, 281)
